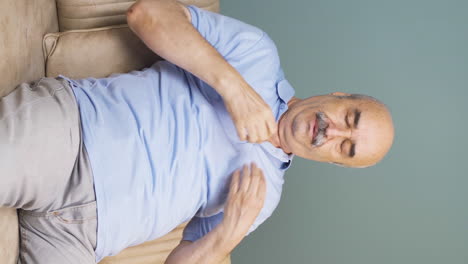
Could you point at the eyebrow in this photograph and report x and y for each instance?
(357, 116)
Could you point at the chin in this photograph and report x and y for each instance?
(282, 134)
(311, 154)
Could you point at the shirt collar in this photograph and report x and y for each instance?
(285, 92)
(278, 153)
(283, 87)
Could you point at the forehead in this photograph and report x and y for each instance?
(374, 134)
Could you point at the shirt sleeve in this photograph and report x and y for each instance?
(200, 226)
(247, 48)
(229, 36)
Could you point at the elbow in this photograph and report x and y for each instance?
(141, 13)
(155, 11)
(132, 11)
(135, 13)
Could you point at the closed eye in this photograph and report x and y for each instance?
(342, 145)
(352, 149)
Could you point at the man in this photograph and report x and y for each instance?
(205, 136)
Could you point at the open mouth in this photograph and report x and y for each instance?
(319, 130)
(313, 129)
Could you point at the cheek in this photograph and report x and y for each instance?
(328, 151)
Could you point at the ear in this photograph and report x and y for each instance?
(340, 94)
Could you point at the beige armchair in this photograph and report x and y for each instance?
(76, 38)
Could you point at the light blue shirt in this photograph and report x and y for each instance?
(162, 146)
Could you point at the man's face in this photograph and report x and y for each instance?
(337, 128)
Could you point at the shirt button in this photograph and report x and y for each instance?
(281, 107)
(285, 165)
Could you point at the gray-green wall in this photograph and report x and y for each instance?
(413, 206)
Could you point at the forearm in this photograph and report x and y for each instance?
(165, 27)
(212, 248)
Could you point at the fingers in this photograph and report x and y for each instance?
(254, 120)
(235, 181)
(253, 134)
(241, 132)
(243, 206)
(252, 181)
(246, 178)
(260, 189)
(258, 132)
(256, 177)
(272, 126)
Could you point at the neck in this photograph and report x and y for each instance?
(274, 139)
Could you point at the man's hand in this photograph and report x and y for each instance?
(245, 201)
(252, 117)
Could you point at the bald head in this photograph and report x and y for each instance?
(376, 134)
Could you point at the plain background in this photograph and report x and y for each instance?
(413, 206)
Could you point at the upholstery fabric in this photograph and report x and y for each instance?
(85, 14)
(95, 52)
(9, 237)
(23, 23)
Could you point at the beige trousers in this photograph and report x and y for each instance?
(45, 173)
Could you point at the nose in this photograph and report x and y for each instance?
(335, 131)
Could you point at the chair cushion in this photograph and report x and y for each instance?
(95, 52)
(155, 251)
(23, 23)
(83, 14)
(9, 237)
